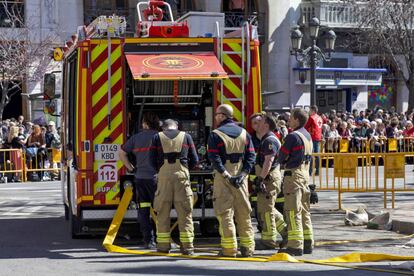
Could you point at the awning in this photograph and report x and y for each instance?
(341, 76)
(175, 67)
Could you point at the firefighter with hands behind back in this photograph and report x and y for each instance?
(173, 154)
(268, 184)
(231, 152)
(294, 158)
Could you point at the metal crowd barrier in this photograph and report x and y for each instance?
(363, 145)
(364, 172)
(48, 161)
(12, 164)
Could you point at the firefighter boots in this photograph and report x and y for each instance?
(307, 247)
(246, 252)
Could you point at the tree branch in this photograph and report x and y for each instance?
(21, 58)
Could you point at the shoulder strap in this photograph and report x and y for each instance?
(233, 145)
(273, 137)
(172, 145)
(306, 142)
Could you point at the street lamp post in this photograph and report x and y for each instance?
(313, 53)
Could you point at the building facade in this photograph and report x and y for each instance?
(53, 20)
(349, 81)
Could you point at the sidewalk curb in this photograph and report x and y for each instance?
(403, 227)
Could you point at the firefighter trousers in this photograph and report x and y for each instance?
(271, 220)
(174, 188)
(297, 207)
(230, 203)
(145, 189)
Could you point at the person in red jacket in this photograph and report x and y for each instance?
(409, 129)
(314, 127)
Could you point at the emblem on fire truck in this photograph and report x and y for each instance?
(173, 62)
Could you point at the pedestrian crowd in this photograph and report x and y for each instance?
(36, 142)
(365, 130)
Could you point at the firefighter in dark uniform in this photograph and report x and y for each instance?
(294, 157)
(231, 152)
(173, 154)
(255, 122)
(139, 145)
(268, 184)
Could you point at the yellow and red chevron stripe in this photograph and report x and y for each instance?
(107, 193)
(232, 87)
(254, 88)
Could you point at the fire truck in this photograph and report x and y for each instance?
(180, 69)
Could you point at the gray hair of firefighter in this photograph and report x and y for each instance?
(170, 124)
(226, 109)
(301, 115)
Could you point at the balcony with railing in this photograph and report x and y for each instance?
(331, 13)
(231, 19)
(339, 14)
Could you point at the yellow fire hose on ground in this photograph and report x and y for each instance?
(278, 257)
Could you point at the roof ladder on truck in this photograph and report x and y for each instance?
(242, 76)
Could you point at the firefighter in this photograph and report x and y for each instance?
(294, 157)
(255, 121)
(268, 184)
(173, 154)
(145, 185)
(232, 155)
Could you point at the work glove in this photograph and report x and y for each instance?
(240, 178)
(313, 195)
(260, 187)
(233, 180)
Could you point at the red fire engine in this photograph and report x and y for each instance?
(170, 67)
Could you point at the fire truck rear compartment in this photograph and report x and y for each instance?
(190, 102)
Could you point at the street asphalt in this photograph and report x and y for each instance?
(35, 240)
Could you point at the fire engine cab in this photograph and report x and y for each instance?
(180, 69)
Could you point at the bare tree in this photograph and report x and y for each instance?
(386, 27)
(23, 56)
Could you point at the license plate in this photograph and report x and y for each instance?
(107, 152)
